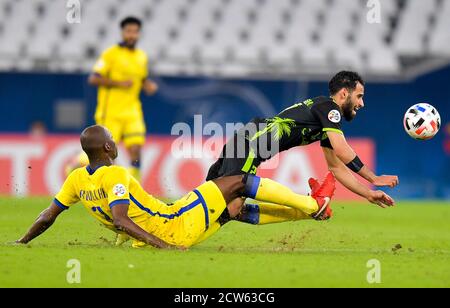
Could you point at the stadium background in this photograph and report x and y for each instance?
(229, 60)
(241, 59)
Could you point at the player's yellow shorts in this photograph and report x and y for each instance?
(191, 216)
(130, 130)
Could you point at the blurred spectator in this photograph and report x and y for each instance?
(38, 129)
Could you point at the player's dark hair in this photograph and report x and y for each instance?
(344, 79)
(130, 20)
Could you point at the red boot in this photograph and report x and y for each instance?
(323, 194)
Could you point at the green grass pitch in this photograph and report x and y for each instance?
(298, 254)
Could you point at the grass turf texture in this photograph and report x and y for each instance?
(298, 254)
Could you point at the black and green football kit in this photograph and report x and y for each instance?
(261, 139)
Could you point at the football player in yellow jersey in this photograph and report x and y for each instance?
(117, 200)
(120, 74)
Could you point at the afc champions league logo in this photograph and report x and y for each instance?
(334, 116)
(119, 190)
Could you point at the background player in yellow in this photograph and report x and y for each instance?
(119, 202)
(120, 74)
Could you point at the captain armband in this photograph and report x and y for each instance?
(355, 165)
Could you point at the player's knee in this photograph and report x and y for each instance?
(238, 184)
(230, 186)
(244, 185)
(235, 207)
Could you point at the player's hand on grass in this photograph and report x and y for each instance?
(15, 243)
(380, 198)
(386, 180)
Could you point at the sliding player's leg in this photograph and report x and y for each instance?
(263, 213)
(231, 211)
(213, 228)
(256, 213)
(197, 213)
(189, 220)
(269, 191)
(259, 213)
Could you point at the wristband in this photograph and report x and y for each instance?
(355, 165)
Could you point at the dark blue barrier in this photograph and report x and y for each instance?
(423, 166)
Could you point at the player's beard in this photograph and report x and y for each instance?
(131, 43)
(347, 110)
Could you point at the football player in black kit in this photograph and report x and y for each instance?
(314, 120)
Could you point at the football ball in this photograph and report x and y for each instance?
(422, 121)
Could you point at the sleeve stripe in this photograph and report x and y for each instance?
(117, 202)
(60, 205)
(333, 130)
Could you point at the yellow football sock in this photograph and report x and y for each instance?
(263, 213)
(266, 190)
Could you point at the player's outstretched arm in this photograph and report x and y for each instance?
(346, 154)
(346, 178)
(379, 180)
(42, 223)
(123, 223)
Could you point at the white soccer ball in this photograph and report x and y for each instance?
(422, 121)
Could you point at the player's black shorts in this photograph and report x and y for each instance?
(234, 160)
(239, 155)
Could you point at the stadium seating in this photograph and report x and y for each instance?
(239, 38)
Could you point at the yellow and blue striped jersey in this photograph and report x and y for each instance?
(101, 189)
